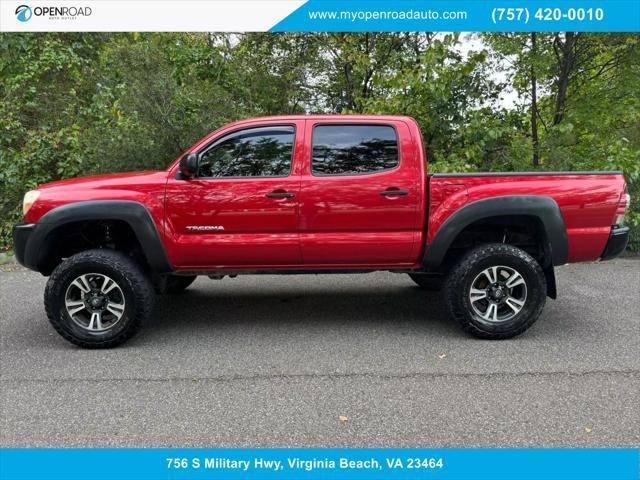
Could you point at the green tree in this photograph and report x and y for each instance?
(77, 104)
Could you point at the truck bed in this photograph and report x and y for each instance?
(587, 201)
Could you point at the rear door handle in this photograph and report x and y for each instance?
(280, 195)
(390, 192)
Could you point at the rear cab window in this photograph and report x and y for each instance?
(348, 149)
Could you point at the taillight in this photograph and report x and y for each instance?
(623, 206)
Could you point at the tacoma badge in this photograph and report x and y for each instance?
(205, 228)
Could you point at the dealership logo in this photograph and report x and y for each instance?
(24, 13)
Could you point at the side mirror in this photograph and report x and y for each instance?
(189, 165)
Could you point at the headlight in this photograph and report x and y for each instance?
(29, 199)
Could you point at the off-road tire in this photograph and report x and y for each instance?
(426, 282)
(135, 285)
(178, 283)
(460, 278)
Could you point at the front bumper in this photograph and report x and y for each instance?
(618, 239)
(21, 235)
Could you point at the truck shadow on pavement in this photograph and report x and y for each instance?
(394, 308)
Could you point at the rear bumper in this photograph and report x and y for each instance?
(21, 235)
(618, 239)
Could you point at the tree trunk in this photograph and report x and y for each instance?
(565, 54)
(534, 105)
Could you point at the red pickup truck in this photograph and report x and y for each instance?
(313, 194)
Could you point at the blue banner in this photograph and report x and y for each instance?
(464, 15)
(312, 464)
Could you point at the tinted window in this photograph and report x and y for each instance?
(353, 149)
(255, 152)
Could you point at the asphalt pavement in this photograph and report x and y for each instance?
(328, 360)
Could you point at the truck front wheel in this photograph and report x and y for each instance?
(98, 298)
(495, 291)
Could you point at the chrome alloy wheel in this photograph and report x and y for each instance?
(498, 294)
(94, 302)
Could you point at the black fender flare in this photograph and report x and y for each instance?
(541, 207)
(135, 214)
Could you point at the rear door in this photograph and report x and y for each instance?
(360, 194)
(242, 207)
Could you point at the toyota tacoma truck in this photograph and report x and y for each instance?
(313, 194)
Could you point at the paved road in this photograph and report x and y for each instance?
(274, 361)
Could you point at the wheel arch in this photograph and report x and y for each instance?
(135, 215)
(543, 209)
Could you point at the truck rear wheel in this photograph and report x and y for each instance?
(98, 298)
(495, 291)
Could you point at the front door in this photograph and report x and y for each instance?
(241, 209)
(360, 195)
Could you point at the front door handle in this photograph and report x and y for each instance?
(280, 195)
(394, 191)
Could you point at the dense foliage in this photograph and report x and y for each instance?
(76, 104)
